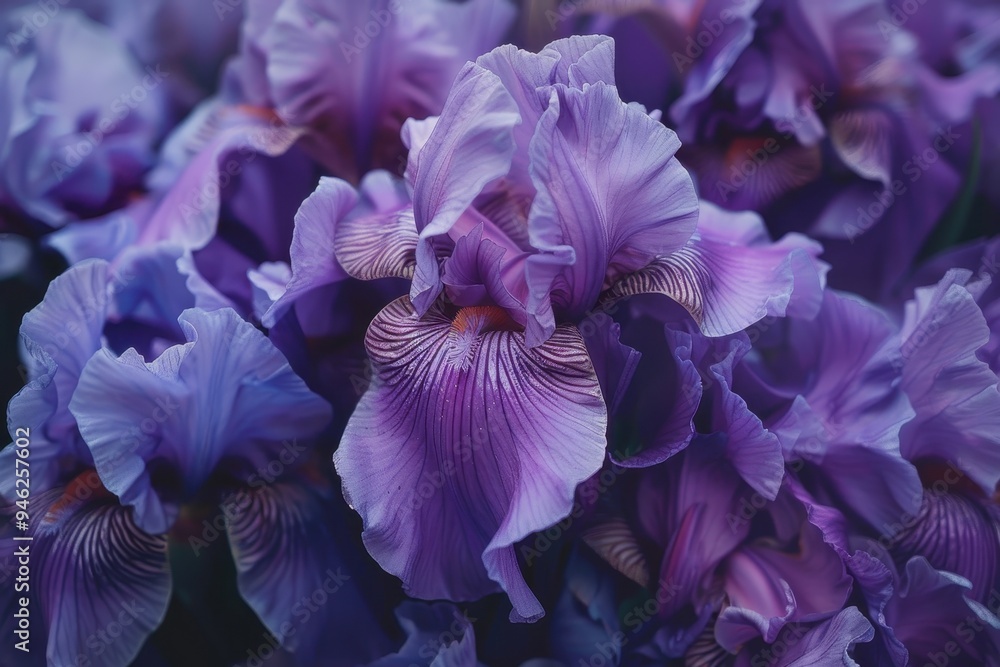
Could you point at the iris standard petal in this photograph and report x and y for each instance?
(66, 328)
(354, 71)
(313, 260)
(470, 146)
(227, 392)
(59, 335)
(611, 197)
(529, 78)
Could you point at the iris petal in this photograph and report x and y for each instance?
(611, 197)
(953, 392)
(478, 439)
(470, 146)
(956, 534)
(768, 588)
(94, 573)
(832, 639)
(725, 280)
(437, 635)
(287, 544)
(932, 609)
(226, 392)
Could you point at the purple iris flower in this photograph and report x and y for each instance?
(676, 354)
(515, 306)
(187, 40)
(925, 395)
(920, 613)
(229, 179)
(220, 179)
(982, 260)
(235, 417)
(815, 115)
(79, 126)
(536, 196)
(730, 538)
(120, 443)
(352, 72)
(935, 614)
(822, 117)
(69, 506)
(707, 570)
(961, 39)
(844, 418)
(909, 406)
(893, 421)
(85, 308)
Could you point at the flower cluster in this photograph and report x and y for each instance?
(483, 332)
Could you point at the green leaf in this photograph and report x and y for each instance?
(950, 230)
